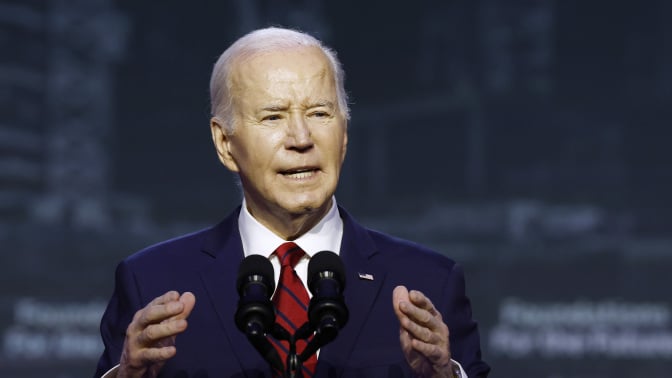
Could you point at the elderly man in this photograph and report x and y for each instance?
(280, 123)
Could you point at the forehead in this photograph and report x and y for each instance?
(282, 70)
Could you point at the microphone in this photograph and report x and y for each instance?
(327, 312)
(255, 316)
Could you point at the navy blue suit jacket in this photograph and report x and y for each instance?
(206, 263)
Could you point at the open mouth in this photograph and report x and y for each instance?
(300, 173)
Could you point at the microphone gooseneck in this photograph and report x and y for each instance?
(255, 316)
(327, 312)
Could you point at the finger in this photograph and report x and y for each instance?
(158, 313)
(419, 331)
(422, 324)
(168, 296)
(156, 332)
(423, 311)
(153, 314)
(152, 310)
(188, 301)
(154, 355)
(431, 351)
(134, 361)
(411, 317)
(405, 342)
(416, 314)
(419, 299)
(439, 355)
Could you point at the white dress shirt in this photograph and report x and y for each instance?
(259, 240)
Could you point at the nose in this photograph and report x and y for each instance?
(299, 136)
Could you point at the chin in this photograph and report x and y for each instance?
(305, 208)
(308, 207)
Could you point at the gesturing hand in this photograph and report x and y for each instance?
(150, 338)
(422, 333)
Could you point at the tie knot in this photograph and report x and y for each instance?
(289, 254)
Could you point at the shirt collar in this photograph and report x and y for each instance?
(324, 236)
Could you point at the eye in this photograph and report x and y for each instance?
(319, 114)
(272, 117)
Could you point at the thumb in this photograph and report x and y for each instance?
(188, 301)
(399, 294)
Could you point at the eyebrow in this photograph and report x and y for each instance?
(281, 108)
(274, 108)
(325, 103)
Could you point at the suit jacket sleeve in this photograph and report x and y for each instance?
(464, 335)
(118, 315)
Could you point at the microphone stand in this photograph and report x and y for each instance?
(325, 333)
(259, 341)
(294, 363)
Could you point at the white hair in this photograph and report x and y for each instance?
(260, 41)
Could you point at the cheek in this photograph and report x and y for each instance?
(259, 149)
(267, 143)
(340, 148)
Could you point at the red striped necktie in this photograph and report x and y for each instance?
(291, 303)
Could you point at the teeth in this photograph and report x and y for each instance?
(299, 175)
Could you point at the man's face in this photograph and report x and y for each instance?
(289, 137)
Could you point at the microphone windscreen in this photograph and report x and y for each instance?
(256, 265)
(325, 261)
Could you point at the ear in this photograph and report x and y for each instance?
(222, 140)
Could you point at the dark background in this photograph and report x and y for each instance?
(525, 139)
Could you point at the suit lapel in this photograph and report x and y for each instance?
(226, 249)
(357, 250)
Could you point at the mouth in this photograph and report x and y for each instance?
(300, 173)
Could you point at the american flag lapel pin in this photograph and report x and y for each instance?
(365, 276)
